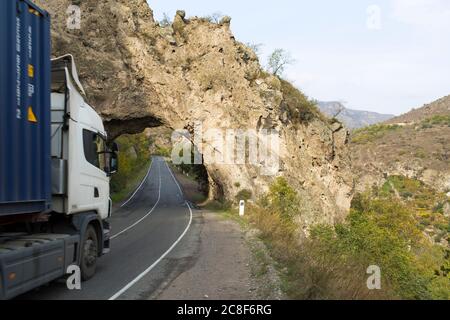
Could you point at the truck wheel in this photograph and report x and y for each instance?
(89, 254)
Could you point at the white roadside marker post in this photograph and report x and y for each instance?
(241, 208)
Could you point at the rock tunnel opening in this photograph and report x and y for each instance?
(192, 165)
(199, 175)
(199, 185)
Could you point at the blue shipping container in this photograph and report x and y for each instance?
(25, 75)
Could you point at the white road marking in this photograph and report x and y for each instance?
(149, 213)
(139, 187)
(143, 274)
(174, 179)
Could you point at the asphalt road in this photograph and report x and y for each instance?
(145, 232)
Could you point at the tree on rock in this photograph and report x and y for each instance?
(278, 61)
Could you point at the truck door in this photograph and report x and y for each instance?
(93, 179)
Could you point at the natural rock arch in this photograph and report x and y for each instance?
(138, 75)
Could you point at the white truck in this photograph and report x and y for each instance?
(55, 160)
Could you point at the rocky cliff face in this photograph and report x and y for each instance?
(139, 75)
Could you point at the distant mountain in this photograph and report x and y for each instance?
(439, 107)
(353, 119)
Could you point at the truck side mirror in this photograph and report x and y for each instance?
(113, 159)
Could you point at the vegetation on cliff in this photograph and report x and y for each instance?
(300, 108)
(372, 133)
(134, 159)
(381, 230)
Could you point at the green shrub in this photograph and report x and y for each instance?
(372, 133)
(244, 194)
(300, 109)
(437, 120)
(162, 151)
(385, 233)
(283, 199)
(332, 262)
(134, 155)
(216, 205)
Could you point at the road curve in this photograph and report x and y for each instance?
(150, 224)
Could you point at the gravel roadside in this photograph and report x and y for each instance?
(227, 261)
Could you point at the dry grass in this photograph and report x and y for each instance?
(415, 148)
(309, 271)
(213, 79)
(300, 108)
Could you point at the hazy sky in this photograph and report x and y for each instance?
(381, 55)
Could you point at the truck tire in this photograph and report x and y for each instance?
(89, 253)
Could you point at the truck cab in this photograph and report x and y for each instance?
(81, 160)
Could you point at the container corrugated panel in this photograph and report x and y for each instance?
(25, 75)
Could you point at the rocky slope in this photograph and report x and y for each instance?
(416, 145)
(139, 75)
(436, 108)
(353, 119)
